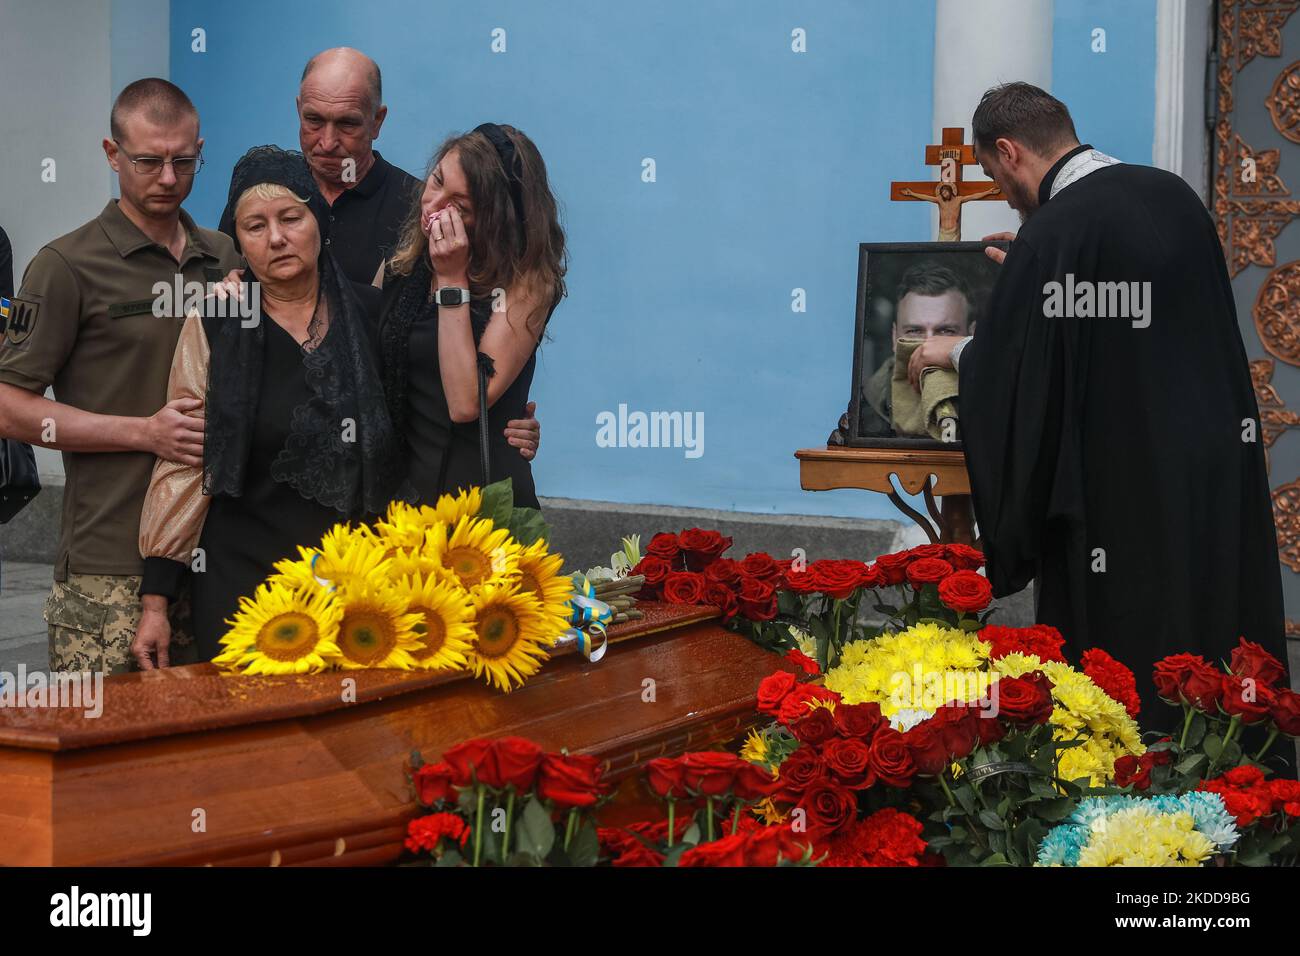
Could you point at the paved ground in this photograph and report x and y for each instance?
(23, 589)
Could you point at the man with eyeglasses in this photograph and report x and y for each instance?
(87, 321)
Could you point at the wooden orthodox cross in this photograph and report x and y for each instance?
(950, 192)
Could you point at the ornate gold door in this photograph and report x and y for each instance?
(1257, 208)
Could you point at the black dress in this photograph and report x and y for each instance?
(243, 537)
(444, 455)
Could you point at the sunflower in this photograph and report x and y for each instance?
(539, 575)
(475, 551)
(403, 526)
(377, 630)
(446, 627)
(283, 630)
(467, 504)
(512, 636)
(346, 556)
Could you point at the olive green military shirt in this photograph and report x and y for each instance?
(84, 322)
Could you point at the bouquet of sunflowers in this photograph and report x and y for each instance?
(467, 584)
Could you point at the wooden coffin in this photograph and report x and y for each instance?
(187, 766)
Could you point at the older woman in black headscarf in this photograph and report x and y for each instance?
(297, 435)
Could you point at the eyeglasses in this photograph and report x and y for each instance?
(152, 165)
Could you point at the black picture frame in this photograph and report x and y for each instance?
(865, 337)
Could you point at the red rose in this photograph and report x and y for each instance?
(517, 761)
(796, 704)
(767, 846)
(955, 724)
(893, 567)
(859, 720)
(666, 777)
(433, 783)
(849, 761)
(802, 661)
(711, 774)
(829, 806)
(1188, 679)
(891, 759)
(655, 570)
(571, 780)
(666, 546)
(684, 587)
(701, 548)
(839, 579)
(963, 557)
(760, 565)
(927, 571)
(473, 760)
(800, 582)
(928, 749)
(928, 551)
(1251, 660)
(1025, 701)
(773, 689)
(965, 591)
(757, 599)
(987, 725)
(754, 782)
(1246, 698)
(1130, 771)
(722, 596)
(724, 571)
(814, 727)
(729, 851)
(798, 772)
(638, 855)
(1286, 712)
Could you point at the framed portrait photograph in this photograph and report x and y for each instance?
(908, 292)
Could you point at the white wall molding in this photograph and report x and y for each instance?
(1181, 141)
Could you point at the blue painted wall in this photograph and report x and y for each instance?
(771, 167)
(1111, 95)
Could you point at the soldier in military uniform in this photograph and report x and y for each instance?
(86, 322)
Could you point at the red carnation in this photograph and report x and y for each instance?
(1113, 678)
(1040, 640)
(965, 592)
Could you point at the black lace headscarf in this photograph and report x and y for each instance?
(341, 450)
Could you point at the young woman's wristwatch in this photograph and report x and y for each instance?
(451, 295)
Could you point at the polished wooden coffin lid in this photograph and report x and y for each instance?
(282, 770)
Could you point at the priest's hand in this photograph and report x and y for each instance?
(153, 635)
(525, 433)
(993, 252)
(934, 352)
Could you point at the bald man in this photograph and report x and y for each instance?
(340, 112)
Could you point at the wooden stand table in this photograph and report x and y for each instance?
(933, 472)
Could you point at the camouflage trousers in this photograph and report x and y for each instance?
(92, 620)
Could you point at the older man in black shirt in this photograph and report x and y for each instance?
(340, 113)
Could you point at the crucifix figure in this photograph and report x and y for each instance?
(950, 192)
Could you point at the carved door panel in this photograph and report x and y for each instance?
(1257, 208)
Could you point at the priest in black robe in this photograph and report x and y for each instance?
(1109, 420)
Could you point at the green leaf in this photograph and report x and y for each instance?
(498, 502)
(584, 848)
(1213, 746)
(1196, 731)
(1055, 810)
(969, 624)
(992, 820)
(450, 858)
(527, 525)
(1190, 764)
(535, 831)
(416, 760)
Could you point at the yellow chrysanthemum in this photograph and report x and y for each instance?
(445, 631)
(1138, 836)
(377, 630)
(283, 630)
(920, 668)
(475, 551)
(511, 635)
(1081, 710)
